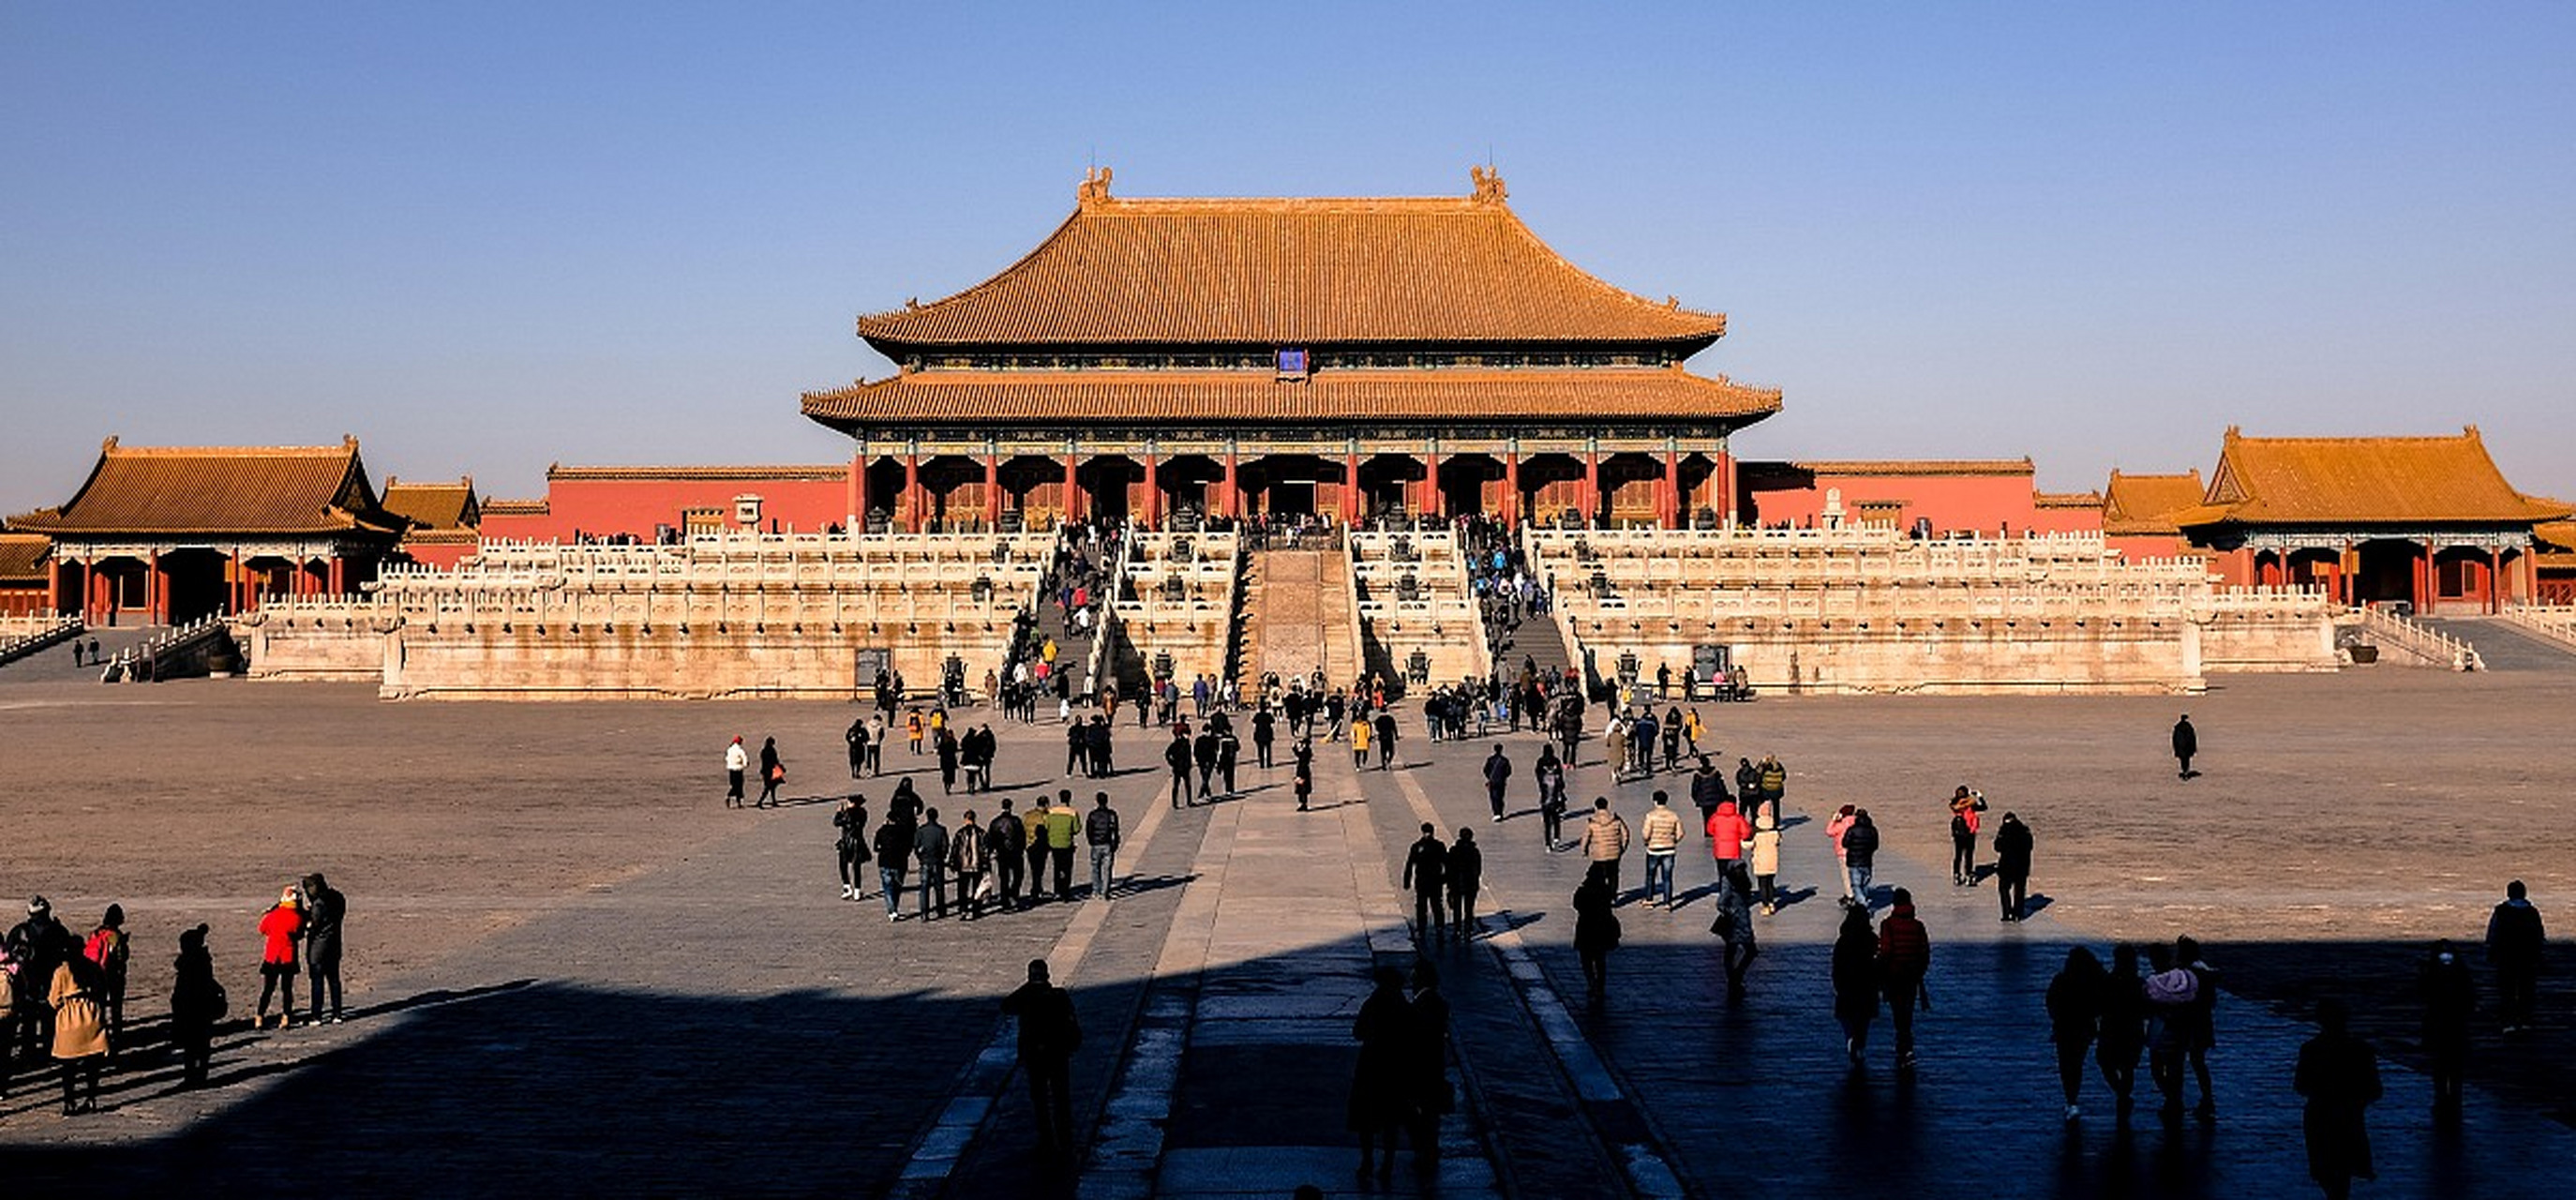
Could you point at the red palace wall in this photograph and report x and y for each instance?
(1985, 502)
(638, 502)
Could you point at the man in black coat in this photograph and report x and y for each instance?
(1424, 872)
(2186, 742)
(1465, 874)
(2012, 865)
(1177, 757)
(326, 913)
(1498, 776)
(1049, 1033)
(1708, 789)
(1005, 840)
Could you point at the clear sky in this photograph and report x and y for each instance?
(484, 238)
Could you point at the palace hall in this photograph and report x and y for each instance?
(1351, 359)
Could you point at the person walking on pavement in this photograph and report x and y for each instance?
(1229, 751)
(1965, 807)
(2339, 1075)
(1062, 821)
(772, 773)
(894, 850)
(1361, 730)
(1034, 827)
(1177, 757)
(1727, 832)
(2450, 996)
(80, 1030)
(1596, 933)
(2074, 1013)
(857, 737)
(1006, 842)
(850, 845)
(2012, 866)
(2516, 942)
(968, 859)
(1100, 832)
(2204, 1021)
(1904, 959)
(1464, 875)
(1550, 774)
(930, 849)
(1498, 776)
(1662, 834)
(1856, 981)
(1302, 774)
(1734, 925)
(1385, 739)
(1605, 842)
(1049, 1034)
(1380, 1095)
(1860, 852)
(1423, 869)
(1432, 1096)
(1707, 789)
(1203, 750)
(1766, 856)
(1264, 732)
(2186, 742)
(1835, 827)
(737, 761)
(326, 915)
(2173, 996)
(2123, 1026)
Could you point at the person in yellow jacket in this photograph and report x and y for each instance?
(80, 1030)
(1359, 744)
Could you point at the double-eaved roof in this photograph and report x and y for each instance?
(2383, 481)
(214, 491)
(954, 398)
(1290, 272)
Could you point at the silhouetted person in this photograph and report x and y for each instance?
(1465, 876)
(1384, 1083)
(2449, 997)
(2340, 1077)
(1904, 958)
(1855, 979)
(2515, 940)
(2123, 1026)
(1596, 933)
(1049, 1034)
(2012, 866)
(2186, 742)
(1424, 866)
(196, 1003)
(326, 911)
(2074, 1008)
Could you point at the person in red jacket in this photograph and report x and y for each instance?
(1904, 958)
(1727, 832)
(279, 929)
(1964, 825)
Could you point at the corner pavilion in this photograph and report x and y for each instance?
(1347, 359)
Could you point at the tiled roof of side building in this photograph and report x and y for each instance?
(2363, 480)
(1358, 396)
(716, 474)
(433, 506)
(2066, 499)
(1291, 272)
(2146, 504)
(22, 556)
(516, 508)
(242, 490)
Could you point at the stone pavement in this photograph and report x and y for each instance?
(713, 1019)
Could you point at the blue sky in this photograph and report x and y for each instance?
(489, 237)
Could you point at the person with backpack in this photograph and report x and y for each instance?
(1100, 832)
(2172, 993)
(2012, 866)
(107, 951)
(326, 914)
(894, 850)
(1965, 805)
(851, 844)
(1773, 779)
(1904, 959)
(1049, 1034)
(2204, 1021)
(197, 1002)
(1006, 842)
(1860, 853)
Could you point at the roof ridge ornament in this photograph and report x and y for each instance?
(1489, 185)
(1095, 186)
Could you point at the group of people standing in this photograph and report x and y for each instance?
(62, 996)
(1004, 864)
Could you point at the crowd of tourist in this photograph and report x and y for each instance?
(63, 996)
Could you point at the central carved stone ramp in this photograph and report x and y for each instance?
(1298, 616)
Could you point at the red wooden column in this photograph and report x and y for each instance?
(1591, 486)
(857, 491)
(339, 575)
(1723, 479)
(1153, 488)
(2425, 583)
(54, 588)
(993, 489)
(2495, 580)
(912, 493)
(1512, 486)
(1230, 501)
(1351, 487)
(1072, 490)
(1672, 488)
(155, 593)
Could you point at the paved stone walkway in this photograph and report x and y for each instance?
(718, 1022)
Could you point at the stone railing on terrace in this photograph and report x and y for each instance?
(2423, 646)
(22, 636)
(1668, 560)
(1414, 597)
(1177, 599)
(2555, 623)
